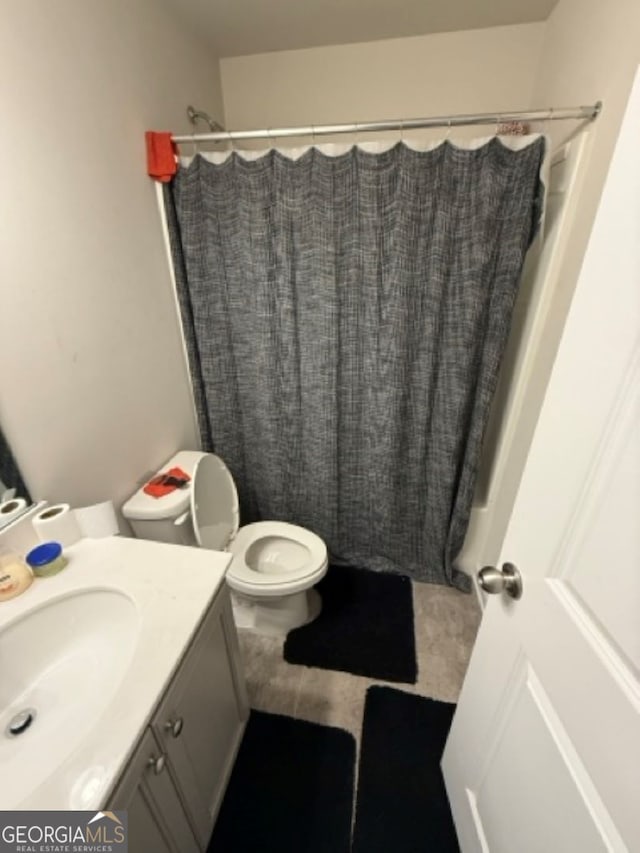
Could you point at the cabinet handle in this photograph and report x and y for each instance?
(174, 726)
(157, 763)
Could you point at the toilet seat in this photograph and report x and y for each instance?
(270, 558)
(284, 569)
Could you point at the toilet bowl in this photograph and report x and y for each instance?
(274, 565)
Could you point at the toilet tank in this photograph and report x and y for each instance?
(165, 519)
(175, 532)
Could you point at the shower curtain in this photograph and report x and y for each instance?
(10, 476)
(345, 315)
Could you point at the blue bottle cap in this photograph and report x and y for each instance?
(44, 554)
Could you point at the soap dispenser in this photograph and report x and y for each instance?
(15, 575)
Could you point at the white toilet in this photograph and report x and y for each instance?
(275, 564)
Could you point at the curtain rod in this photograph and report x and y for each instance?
(588, 113)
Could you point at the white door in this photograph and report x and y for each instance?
(544, 749)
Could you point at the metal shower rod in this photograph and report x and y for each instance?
(587, 113)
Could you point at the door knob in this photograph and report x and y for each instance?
(174, 726)
(507, 579)
(156, 763)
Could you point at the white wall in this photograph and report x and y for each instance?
(590, 52)
(475, 70)
(94, 390)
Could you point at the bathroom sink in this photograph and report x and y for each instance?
(85, 656)
(60, 664)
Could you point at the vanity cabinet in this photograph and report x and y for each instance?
(174, 785)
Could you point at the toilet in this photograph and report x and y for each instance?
(275, 564)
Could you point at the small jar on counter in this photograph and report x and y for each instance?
(46, 559)
(15, 575)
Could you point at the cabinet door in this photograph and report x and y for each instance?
(156, 818)
(201, 720)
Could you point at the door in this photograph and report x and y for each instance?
(544, 750)
(156, 820)
(201, 720)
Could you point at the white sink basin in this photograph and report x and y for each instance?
(60, 665)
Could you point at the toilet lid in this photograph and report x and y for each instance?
(214, 503)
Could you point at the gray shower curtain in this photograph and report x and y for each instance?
(10, 474)
(345, 319)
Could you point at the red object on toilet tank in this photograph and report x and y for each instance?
(166, 482)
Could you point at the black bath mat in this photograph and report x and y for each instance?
(402, 803)
(365, 627)
(291, 790)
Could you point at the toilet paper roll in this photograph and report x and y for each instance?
(57, 523)
(97, 521)
(11, 509)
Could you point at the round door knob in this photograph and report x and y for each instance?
(174, 726)
(157, 763)
(495, 581)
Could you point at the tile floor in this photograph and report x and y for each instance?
(446, 622)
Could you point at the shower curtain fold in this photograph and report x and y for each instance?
(345, 317)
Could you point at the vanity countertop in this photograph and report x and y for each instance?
(170, 587)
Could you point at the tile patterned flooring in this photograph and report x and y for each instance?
(446, 623)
